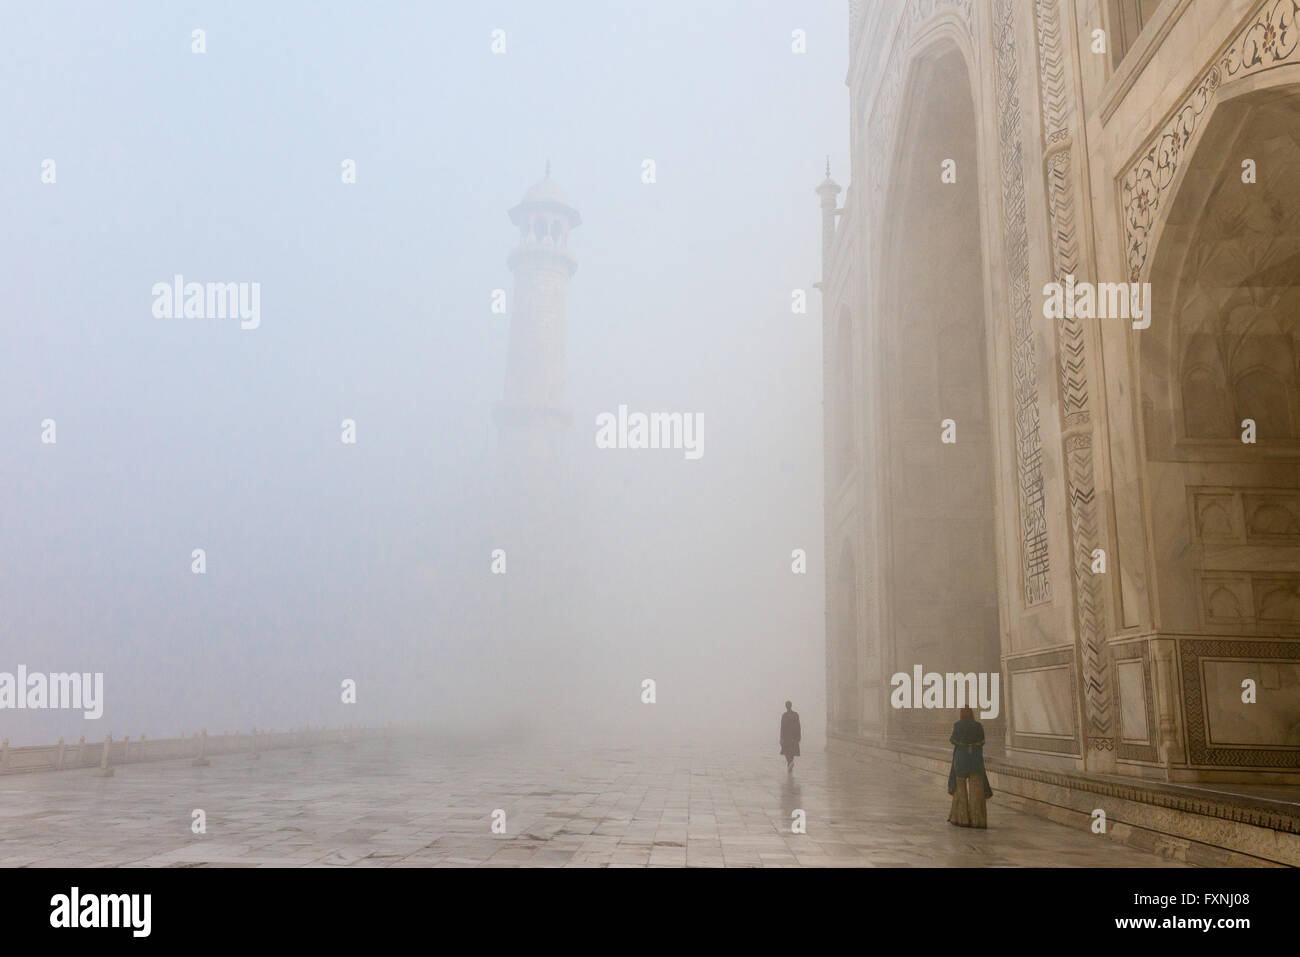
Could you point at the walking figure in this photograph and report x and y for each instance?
(790, 735)
(967, 781)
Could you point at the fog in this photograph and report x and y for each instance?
(372, 561)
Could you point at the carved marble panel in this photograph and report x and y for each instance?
(1272, 516)
(1272, 720)
(1136, 690)
(1133, 724)
(1277, 599)
(1226, 599)
(1221, 732)
(1216, 516)
(1041, 701)
(1040, 696)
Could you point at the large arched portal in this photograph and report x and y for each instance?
(941, 588)
(1222, 349)
(1221, 403)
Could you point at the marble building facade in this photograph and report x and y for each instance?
(1099, 533)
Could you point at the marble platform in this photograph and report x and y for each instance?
(414, 803)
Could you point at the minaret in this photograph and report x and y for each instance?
(828, 191)
(533, 416)
(536, 514)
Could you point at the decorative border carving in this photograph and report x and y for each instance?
(1200, 753)
(1058, 98)
(1098, 687)
(1128, 652)
(1271, 40)
(1065, 261)
(1035, 564)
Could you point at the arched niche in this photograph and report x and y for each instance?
(1224, 347)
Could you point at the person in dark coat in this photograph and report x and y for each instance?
(967, 781)
(790, 735)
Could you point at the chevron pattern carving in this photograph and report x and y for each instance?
(1088, 598)
(1065, 260)
(1057, 101)
(1058, 104)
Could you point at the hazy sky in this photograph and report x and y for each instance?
(327, 561)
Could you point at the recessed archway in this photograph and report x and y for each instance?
(940, 583)
(1224, 348)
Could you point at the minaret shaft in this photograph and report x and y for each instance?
(533, 416)
(538, 328)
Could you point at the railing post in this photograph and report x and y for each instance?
(81, 751)
(58, 764)
(104, 771)
(253, 745)
(4, 755)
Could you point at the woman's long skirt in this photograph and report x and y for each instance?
(968, 808)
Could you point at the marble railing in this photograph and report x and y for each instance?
(201, 746)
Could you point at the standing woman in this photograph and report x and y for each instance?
(790, 735)
(967, 782)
